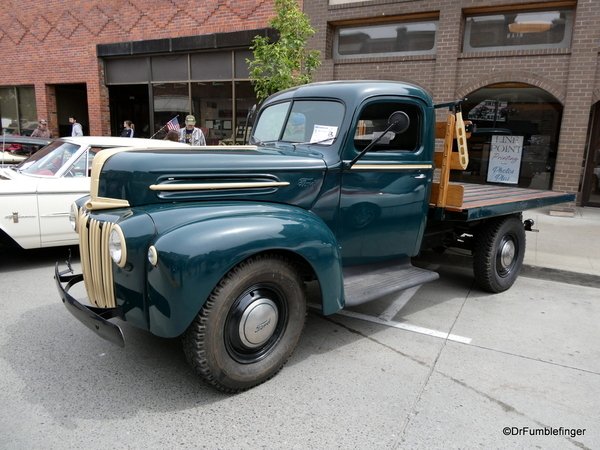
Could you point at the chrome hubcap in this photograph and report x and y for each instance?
(258, 322)
(507, 254)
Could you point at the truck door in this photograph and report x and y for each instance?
(385, 195)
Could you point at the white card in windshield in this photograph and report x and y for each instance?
(323, 134)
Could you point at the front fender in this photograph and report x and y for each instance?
(192, 258)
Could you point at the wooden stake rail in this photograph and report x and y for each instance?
(445, 193)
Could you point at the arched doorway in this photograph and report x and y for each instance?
(516, 137)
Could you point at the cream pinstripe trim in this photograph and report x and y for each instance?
(393, 166)
(208, 186)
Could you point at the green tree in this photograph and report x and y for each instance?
(285, 63)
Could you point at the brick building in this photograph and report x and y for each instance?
(114, 60)
(527, 68)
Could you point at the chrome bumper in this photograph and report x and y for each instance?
(96, 319)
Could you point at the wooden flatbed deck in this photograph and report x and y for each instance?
(480, 200)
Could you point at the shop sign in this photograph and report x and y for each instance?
(506, 153)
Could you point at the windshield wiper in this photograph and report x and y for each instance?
(316, 142)
(259, 142)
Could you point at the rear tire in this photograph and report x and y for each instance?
(498, 253)
(250, 324)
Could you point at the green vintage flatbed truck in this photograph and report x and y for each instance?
(216, 244)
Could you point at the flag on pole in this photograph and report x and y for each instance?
(173, 124)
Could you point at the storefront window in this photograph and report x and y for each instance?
(389, 39)
(211, 66)
(516, 137)
(126, 70)
(27, 110)
(18, 110)
(245, 99)
(169, 68)
(212, 108)
(171, 100)
(8, 110)
(202, 84)
(512, 30)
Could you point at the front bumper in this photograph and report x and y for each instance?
(96, 319)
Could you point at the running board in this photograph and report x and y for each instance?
(368, 282)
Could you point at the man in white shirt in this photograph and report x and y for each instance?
(76, 130)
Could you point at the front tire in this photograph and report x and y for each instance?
(498, 253)
(250, 324)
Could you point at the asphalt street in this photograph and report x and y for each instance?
(441, 366)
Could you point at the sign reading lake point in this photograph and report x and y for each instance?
(505, 159)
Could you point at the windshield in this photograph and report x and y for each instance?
(52, 160)
(306, 121)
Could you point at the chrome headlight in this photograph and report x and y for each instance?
(73, 213)
(152, 255)
(116, 246)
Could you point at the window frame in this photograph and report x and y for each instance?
(564, 44)
(398, 21)
(413, 108)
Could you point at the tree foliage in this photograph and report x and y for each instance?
(285, 63)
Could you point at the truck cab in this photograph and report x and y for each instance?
(377, 207)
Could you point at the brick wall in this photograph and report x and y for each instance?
(571, 75)
(54, 42)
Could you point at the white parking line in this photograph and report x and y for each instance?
(399, 303)
(386, 316)
(407, 327)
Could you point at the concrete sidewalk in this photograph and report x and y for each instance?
(566, 249)
(566, 244)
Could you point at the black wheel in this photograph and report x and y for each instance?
(498, 253)
(250, 324)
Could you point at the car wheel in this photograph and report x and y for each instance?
(498, 253)
(250, 324)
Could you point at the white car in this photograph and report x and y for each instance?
(17, 149)
(7, 158)
(36, 196)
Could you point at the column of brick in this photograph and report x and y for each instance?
(580, 87)
(448, 48)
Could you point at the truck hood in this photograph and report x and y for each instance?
(135, 177)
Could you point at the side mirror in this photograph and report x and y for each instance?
(398, 122)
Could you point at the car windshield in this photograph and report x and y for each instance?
(301, 121)
(51, 159)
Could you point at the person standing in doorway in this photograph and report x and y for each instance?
(76, 130)
(42, 130)
(190, 134)
(128, 128)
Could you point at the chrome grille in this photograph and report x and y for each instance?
(95, 260)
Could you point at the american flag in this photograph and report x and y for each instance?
(173, 124)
